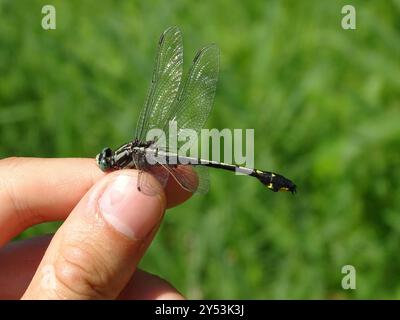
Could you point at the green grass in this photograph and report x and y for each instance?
(324, 103)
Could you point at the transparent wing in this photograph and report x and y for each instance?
(195, 99)
(191, 111)
(147, 185)
(203, 179)
(194, 179)
(190, 178)
(165, 83)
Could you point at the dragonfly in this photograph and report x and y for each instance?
(188, 104)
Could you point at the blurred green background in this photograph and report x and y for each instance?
(324, 103)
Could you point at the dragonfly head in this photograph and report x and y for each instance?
(105, 159)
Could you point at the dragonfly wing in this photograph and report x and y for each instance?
(194, 178)
(203, 179)
(147, 184)
(190, 178)
(165, 83)
(197, 95)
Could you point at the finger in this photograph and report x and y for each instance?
(175, 193)
(18, 263)
(38, 190)
(34, 190)
(97, 249)
(147, 286)
(20, 259)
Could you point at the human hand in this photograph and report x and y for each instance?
(108, 226)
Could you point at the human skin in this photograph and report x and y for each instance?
(108, 226)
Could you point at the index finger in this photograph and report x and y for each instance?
(36, 190)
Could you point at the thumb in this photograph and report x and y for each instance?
(97, 249)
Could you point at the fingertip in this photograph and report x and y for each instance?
(175, 194)
(146, 286)
(170, 296)
(128, 210)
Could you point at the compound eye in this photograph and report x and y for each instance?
(107, 152)
(104, 165)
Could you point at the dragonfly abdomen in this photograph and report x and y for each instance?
(271, 180)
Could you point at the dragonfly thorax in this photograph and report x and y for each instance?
(131, 155)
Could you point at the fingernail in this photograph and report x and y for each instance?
(128, 210)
